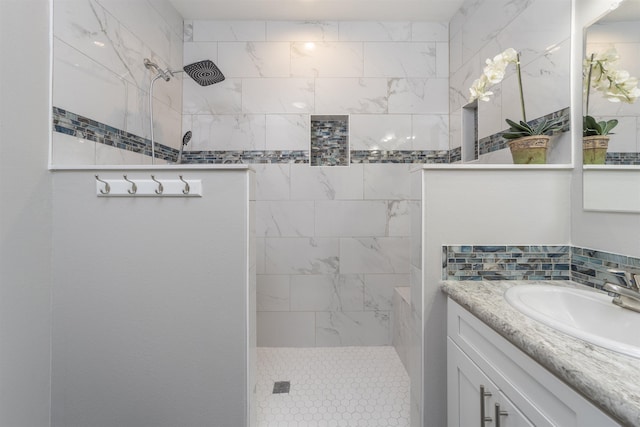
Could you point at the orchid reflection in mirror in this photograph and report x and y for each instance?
(595, 140)
(601, 72)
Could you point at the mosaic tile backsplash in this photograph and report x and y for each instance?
(506, 262)
(549, 262)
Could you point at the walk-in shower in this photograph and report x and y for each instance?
(204, 73)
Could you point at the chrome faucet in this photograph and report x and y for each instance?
(627, 296)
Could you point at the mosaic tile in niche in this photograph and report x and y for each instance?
(329, 140)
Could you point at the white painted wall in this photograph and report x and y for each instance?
(25, 215)
(476, 206)
(150, 303)
(606, 231)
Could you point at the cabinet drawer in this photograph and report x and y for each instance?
(530, 387)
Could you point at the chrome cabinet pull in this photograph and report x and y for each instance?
(483, 417)
(499, 414)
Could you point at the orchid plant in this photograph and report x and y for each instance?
(601, 73)
(492, 74)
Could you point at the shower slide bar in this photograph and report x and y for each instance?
(153, 187)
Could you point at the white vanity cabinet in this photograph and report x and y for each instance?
(491, 383)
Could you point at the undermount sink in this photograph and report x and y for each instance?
(583, 314)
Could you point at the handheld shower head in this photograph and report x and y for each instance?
(204, 73)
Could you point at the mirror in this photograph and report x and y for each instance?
(612, 50)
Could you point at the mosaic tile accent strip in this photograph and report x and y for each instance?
(73, 124)
(496, 142)
(329, 140)
(589, 266)
(623, 159)
(399, 156)
(455, 155)
(506, 262)
(245, 157)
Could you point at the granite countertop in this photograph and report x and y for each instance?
(610, 380)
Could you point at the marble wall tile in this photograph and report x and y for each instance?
(375, 31)
(272, 181)
(626, 135)
(417, 59)
(287, 132)
(351, 218)
(351, 95)
(387, 182)
(399, 217)
(75, 73)
(326, 183)
(228, 31)
(381, 132)
(70, 150)
(228, 132)
(326, 59)
(430, 31)
(442, 60)
(542, 82)
(261, 267)
(167, 124)
(302, 255)
(108, 155)
(255, 59)
(88, 28)
(276, 96)
(303, 31)
(430, 132)
(379, 290)
(286, 329)
(220, 98)
(415, 209)
(327, 292)
(352, 328)
(285, 218)
(137, 111)
(419, 96)
(197, 51)
(148, 25)
(272, 292)
(374, 255)
(170, 15)
(401, 327)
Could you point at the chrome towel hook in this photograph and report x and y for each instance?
(186, 185)
(107, 187)
(160, 188)
(134, 187)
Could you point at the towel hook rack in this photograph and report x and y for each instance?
(107, 187)
(134, 187)
(186, 185)
(160, 188)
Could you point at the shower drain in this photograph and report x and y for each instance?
(281, 387)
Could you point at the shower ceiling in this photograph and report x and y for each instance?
(337, 10)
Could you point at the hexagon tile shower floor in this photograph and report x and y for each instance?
(338, 386)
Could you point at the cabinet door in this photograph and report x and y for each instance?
(468, 391)
(505, 413)
(473, 399)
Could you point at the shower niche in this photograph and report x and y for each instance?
(329, 140)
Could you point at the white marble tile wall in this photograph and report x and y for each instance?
(481, 30)
(332, 252)
(333, 242)
(98, 71)
(391, 76)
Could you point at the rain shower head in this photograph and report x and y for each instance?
(204, 73)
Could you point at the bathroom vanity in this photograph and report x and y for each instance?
(505, 369)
